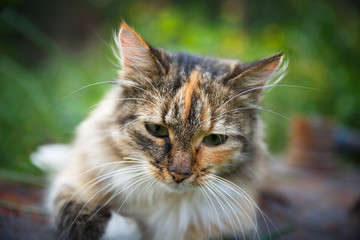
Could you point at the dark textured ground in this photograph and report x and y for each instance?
(22, 215)
(302, 203)
(314, 203)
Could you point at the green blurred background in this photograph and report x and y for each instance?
(48, 49)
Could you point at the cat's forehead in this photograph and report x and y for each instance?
(208, 68)
(192, 107)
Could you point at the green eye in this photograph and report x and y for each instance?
(214, 139)
(157, 130)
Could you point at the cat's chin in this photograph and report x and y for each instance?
(178, 188)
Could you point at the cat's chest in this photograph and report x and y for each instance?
(186, 215)
(170, 205)
(176, 213)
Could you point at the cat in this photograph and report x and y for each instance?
(177, 146)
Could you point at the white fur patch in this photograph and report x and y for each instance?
(120, 227)
(51, 157)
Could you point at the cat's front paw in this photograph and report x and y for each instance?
(78, 221)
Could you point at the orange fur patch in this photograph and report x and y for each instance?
(207, 156)
(190, 86)
(203, 114)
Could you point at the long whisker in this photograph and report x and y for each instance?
(142, 89)
(262, 87)
(119, 99)
(209, 210)
(228, 184)
(136, 182)
(255, 108)
(112, 197)
(221, 189)
(214, 191)
(95, 181)
(117, 193)
(108, 164)
(150, 183)
(204, 190)
(89, 85)
(84, 205)
(228, 197)
(105, 187)
(264, 216)
(146, 79)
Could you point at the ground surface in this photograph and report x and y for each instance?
(314, 203)
(302, 203)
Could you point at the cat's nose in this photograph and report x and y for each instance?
(179, 177)
(180, 168)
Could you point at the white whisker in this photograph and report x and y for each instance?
(259, 88)
(99, 191)
(221, 189)
(146, 79)
(227, 198)
(218, 199)
(264, 216)
(144, 90)
(215, 209)
(119, 99)
(93, 182)
(255, 108)
(111, 198)
(89, 85)
(209, 210)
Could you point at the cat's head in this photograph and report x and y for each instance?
(187, 117)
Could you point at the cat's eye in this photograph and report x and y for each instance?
(214, 139)
(157, 130)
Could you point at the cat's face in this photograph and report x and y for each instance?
(187, 117)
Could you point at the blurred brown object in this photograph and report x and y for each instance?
(312, 203)
(312, 142)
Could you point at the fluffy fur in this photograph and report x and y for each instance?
(183, 182)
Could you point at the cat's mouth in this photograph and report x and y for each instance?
(179, 187)
(175, 183)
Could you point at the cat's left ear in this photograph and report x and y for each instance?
(135, 53)
(260, 72)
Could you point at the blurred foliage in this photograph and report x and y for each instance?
(49, 49)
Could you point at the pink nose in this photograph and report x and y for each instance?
(179, 177)
(180, 167)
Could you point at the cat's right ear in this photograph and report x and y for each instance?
(135, 53)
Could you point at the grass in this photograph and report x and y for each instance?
(33, 108)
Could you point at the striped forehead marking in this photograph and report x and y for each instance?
(190, 87)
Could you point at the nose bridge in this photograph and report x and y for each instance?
(180, 167)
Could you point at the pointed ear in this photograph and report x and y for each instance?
(135, 53)
(260, 72)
